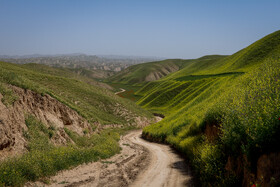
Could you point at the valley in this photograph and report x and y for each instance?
(139, 93)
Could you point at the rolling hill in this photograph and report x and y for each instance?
(142, 73)
(135, 77)
(147, 72)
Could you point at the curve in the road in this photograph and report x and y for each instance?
(122, 90)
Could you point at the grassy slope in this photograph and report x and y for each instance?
(94, 103)
(243, 60)
(201, 72)
(190, 102)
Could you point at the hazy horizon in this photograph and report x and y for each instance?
(77, 54)
(164, 29)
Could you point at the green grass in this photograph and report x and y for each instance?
(44, 159)
(242, 61)
(195, 77)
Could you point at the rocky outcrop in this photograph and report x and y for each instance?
(46, 109)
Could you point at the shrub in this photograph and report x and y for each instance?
(8, 95)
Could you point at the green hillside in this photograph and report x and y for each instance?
(95, 103)
(209, 69)
(151, 71)
(237, 95)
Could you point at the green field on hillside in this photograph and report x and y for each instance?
(238, 94)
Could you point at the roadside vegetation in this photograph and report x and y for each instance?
(43, 159)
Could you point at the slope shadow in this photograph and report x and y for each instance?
(183, 166)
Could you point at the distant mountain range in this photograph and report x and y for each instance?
(77, 60)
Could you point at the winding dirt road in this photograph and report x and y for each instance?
(122, 90)
(140, 164)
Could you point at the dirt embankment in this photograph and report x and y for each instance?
(53, 114)
(45, 108)
(264, 171)
(140, 163)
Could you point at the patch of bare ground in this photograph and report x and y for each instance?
(46, 109)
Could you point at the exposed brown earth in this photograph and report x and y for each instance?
(267, 170)
(46, 109)
(51, 113)
(161, 72)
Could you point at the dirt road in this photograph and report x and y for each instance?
(166, 168)
(122, 90)
(140, 163)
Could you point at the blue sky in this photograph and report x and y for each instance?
(163, 28)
